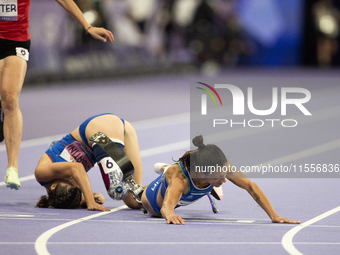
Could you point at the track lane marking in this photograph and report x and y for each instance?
(180, 145)
(40, 244)
(167, 243)
(148, 152)
(287, 239)
(180, 118)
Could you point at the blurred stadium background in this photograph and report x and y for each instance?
(170, 36)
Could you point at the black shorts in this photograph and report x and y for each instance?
(14, 48)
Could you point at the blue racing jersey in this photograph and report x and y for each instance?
(192, 195)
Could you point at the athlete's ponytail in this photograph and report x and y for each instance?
(204, 155)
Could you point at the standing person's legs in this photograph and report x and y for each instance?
(12, 75)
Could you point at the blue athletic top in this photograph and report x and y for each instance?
(68, 149)
(192, 195)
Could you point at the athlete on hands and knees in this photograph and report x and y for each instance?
(175, 187)
(14, 54)
(62, 169)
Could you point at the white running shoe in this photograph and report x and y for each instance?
(12, 179)
(158, 168)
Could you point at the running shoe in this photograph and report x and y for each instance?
(158, 168)
(12, 179)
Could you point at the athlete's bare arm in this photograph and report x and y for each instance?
(178, 185)
(47, 171)
(241, 180)
(96, 32)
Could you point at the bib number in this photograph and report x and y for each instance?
(8, 10)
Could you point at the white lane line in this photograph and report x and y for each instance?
(234, 223)
(192, 222)
(166, 148)
(40, 244)
(165, 121)
(36, 142)
(305, 153)
(319, 243)
(138, 125)
(182, 118)
(324, 114)
(15, 215)
(186, 243)
(16, 243)
(208, 220)
(30, 143)
(175, 119)
(186, 143)
(164, 243)
(29, 213)
(21, 179)
(287, 239)
(144, 153)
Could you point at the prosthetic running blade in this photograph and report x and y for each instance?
(122, 161)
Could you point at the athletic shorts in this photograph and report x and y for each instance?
(14, 48)
(152, 192)
(83, 126)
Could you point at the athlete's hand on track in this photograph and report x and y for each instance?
(101, 34)
(279, 219)
(96, 207)
(175, 219)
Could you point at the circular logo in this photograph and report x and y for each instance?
(119, 189)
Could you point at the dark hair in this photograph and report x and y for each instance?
(205, 155)
(63, 196)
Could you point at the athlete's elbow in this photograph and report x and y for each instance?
(77, 169)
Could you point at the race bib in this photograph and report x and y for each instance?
(8, 10)
(76, 152)
(109, 165)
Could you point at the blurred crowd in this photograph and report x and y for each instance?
(208, 34)
(326, 19)
(205, 33)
